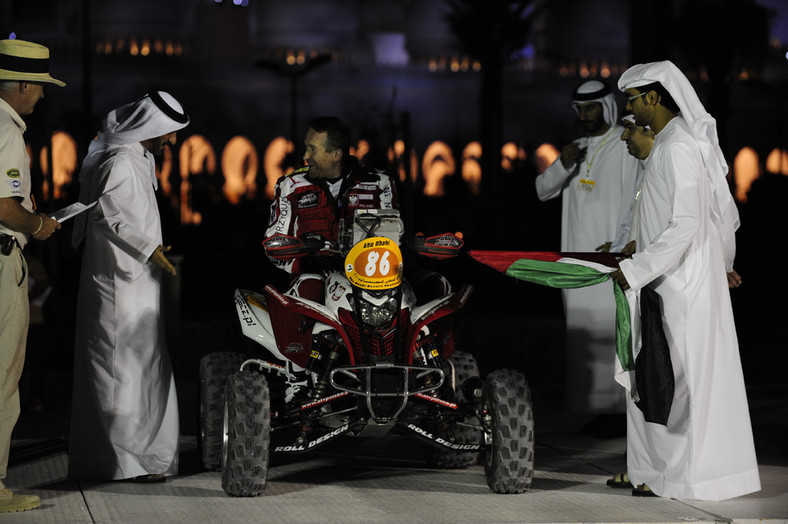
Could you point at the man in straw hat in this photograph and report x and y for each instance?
(24, 69)
(686, 221)
(596, 179)
(125, 419)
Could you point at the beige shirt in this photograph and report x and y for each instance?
(14, 164)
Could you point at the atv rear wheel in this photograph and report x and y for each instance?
(214, 370)
(509, 463)
(465, 367)
(246, 447)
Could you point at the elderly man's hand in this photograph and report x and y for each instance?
(160, 260)
(629, 249)
(619, 277)
(46, 227)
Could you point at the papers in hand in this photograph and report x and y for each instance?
(61, 215)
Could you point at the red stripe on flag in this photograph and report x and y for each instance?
(501, 260)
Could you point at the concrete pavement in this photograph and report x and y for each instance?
(385, 481)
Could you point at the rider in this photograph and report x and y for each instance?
(332, 185)
(316, 198)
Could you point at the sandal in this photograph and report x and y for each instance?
(620, 481)
(150, 478)
(643, 491)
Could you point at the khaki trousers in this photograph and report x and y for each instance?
(14, 321)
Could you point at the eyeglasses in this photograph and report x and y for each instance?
(631, 98)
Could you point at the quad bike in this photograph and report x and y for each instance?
(355, 354)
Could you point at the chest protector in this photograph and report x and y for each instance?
(316, 211)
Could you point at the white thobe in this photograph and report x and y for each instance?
(597, 198)
(706, 451)
(125, 412)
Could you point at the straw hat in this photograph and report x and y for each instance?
(25, 61)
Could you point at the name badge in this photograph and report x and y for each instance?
(586, 185)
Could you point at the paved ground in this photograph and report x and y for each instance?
(385, 481)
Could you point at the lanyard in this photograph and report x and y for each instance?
(590, 162)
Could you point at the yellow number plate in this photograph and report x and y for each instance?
(374, 263)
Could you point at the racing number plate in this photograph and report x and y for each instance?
(374, 264)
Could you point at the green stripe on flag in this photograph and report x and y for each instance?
(567, 276)
(555, 274)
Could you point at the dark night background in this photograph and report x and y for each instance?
(386, 70)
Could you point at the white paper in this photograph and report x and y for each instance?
(61, 215)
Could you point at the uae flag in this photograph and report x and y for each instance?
(650, 379)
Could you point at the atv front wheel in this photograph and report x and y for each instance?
(214, 370)
(246, 447)
(465, 367)
(509, 463)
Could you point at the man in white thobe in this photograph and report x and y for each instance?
(596, 178)
(685, 246)
(125, 415)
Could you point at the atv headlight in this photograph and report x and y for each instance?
(375, 315)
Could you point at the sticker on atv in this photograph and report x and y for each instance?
(374, 263)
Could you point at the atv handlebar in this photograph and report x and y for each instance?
(286, 247)
(440, 247)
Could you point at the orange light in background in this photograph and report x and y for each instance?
(438, 162)
(64, 163)
(414, 166)
(361, 149)
(511, 155)
(745, 171)
(395, 155)
(196, 156)
(777, 162)
(188, 215)
(544, 156)
(163, 172)
(273, 160)
(398, 148)
(471, 168)
(239, 165)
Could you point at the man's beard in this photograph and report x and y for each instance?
(591, 126)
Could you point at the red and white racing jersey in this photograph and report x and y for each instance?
(302, 205)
